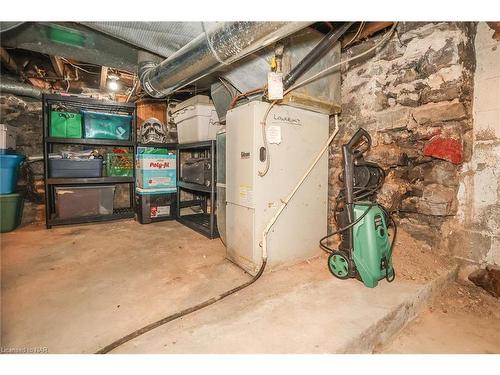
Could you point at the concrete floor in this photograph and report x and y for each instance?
(76, 289)
(437, 333)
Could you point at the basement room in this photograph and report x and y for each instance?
(217, 186)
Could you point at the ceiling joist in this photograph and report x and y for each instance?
(8, 61)
(104, 77)
(58, 66)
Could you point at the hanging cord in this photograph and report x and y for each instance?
(297, 85)
(361, 25)
(27, 174)
(394, 225)
(264, 139)
(326, 70)
(329, 249)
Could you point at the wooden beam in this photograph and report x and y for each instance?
(104, 77)
(58, 66)
(495, 26)
(8, 61)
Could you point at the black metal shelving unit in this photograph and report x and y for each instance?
(204, 222)
(168, 146)
(50, 183)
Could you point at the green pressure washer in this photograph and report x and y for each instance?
(365, 251)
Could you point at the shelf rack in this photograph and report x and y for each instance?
(204, 222)
(48, 142)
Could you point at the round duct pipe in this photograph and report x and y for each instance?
(219, 46)
(20, 89)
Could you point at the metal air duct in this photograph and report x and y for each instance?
(219, 46)
(21, 89)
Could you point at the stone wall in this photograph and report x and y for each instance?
(475, 234)
(414, 97)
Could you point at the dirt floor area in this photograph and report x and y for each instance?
(463, 319)
(415, 260)
(75, 289)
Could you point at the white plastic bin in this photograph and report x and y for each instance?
(7, 137)
(196, 123)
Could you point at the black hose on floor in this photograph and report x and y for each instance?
(180, 314)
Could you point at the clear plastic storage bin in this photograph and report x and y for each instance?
(82, 201)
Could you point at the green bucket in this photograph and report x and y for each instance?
(11, 211)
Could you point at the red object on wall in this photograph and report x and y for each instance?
(449, 149)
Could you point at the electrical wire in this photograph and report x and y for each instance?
(133, 89)
(226, 84)
(362, 24)
(28, 175)
(245, 94)
(78, 67)
(329, 249)
(391, 248)
(264, 139)
(297, 85)
(326, 70)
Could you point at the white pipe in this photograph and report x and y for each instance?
(294, 190)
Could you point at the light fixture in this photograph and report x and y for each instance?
(113, 84)
(113, 76)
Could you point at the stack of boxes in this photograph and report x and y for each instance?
(156, 184)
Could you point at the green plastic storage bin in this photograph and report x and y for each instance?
(102, 125)
(65, 125)
(11, 211)
(64, 35)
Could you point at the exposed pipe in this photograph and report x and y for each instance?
(284, 202)
(315, 54)
(222, 45)
(20, 89)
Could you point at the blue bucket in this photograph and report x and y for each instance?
(9, 165)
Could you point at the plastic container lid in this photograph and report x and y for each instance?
(195, 100)
(201, 110)
(11, 196)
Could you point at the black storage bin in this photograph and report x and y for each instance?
(153, 207)
(75, 167)
(196, 171)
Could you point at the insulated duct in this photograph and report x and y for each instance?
(219, 46)
(20, 89)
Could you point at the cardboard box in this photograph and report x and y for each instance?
(155, 170)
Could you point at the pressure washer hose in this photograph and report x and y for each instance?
(180, 314)
(211, 301)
